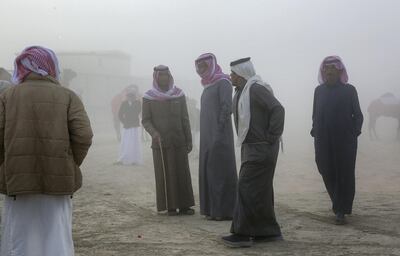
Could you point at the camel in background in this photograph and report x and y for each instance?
(385, 106)
(5, 80)
(4, 75)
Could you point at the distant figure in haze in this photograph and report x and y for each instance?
(217, 166)
(115, 106)
(165, 117)
(337, 122)
(45, 135)
(259, 120)
(387, 105)
(67, 76)
(131, 141)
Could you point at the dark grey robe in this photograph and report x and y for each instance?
(254, 213)
(170, 119)
(217, 166)
(337, 122)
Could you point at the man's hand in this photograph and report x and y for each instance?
(156, 137)
(189, 148)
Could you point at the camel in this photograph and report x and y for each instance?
(385, 106)
(4, 75)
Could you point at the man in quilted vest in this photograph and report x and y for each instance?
(45, 135)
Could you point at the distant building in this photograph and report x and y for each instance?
(96, 76)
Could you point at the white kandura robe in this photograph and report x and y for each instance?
(37, 225)
(131, 146)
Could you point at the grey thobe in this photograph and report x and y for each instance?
(170, 119)
(217, 166)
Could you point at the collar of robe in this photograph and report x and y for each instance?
(338, 83)
(240, 88)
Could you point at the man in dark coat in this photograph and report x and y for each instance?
(131, 143)
(165, 117)
(337, 122)
(259, 119)
(217, 165)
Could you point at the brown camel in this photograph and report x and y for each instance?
(385, 106)
(4, 75)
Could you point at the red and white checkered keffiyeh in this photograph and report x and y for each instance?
(338, 63)
(159, 95)
(213, 73)
(36, 59)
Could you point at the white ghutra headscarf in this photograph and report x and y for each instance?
(244, 68)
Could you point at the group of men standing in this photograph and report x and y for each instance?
(247, 199)
(45, 135)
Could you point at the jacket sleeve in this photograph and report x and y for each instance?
(121, 113)
(2, 125)
(275, 110)
(79, 128)
(225, 103)
(147, 118)
(186, 123)
(357, 114)
(313, 115)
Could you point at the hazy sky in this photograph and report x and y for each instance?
(286, 39)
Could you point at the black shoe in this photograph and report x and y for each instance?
(237, 241)
(218, 218)
(186, 211)
(340, 219)
(266, 239)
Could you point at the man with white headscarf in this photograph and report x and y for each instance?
(337, 122)
(259, 120)
(45, 135)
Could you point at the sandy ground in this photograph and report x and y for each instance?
(115, 210)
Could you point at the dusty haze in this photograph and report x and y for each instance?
(287, 40)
